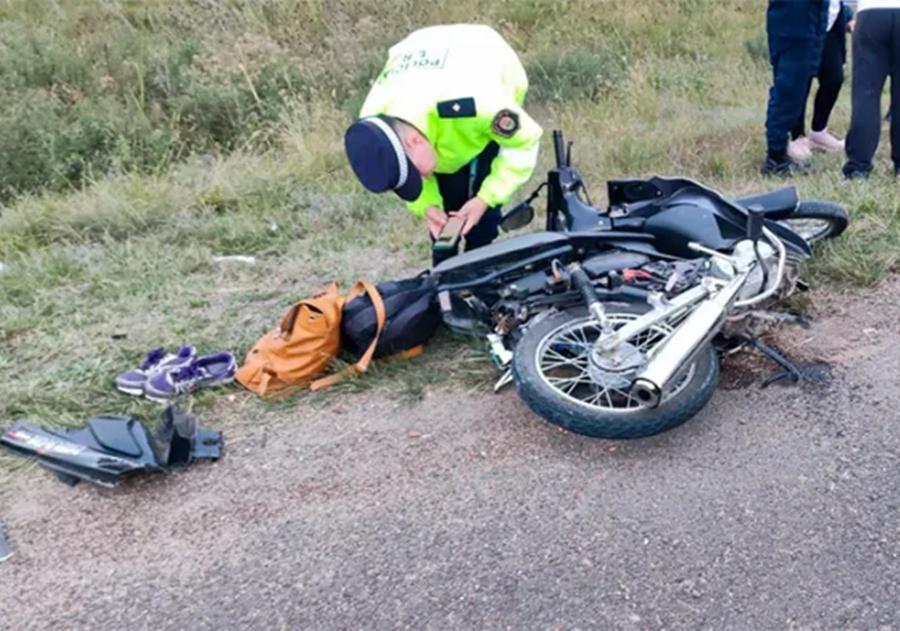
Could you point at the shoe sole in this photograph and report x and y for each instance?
(166, 399)
(825, 149)
(150, 397)
(135, 392)
(801, 159)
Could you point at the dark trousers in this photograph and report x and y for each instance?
(458, 188)
(876, 55)
(793, 65)
(830, 77)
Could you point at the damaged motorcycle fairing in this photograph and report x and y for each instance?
(110, 447)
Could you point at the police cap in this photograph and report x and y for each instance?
(376, 155)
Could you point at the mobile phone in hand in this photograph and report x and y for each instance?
(450, 234)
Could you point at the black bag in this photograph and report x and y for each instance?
(411, 317)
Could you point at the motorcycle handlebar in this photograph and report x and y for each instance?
(559, 148)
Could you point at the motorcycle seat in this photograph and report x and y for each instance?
(776, 204)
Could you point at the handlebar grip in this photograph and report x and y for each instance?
(755, 216)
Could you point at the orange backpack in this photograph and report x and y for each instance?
(307, 340)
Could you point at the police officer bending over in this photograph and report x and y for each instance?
(443, 127)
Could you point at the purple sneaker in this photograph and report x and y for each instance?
(203, 372)
(132, 381)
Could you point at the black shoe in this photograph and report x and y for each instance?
(783, 167)
(859, 175)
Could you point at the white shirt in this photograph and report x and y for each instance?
(862, 5)
(834, 8)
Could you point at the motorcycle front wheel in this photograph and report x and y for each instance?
(554, 376)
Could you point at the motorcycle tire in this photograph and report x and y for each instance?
(817, 220)
(589, 420)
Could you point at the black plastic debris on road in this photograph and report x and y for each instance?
(110, 447)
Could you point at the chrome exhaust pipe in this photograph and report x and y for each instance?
(652, 383)
(646, 392)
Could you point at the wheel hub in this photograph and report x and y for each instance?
(615, 369)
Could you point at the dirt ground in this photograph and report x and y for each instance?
(773, 508)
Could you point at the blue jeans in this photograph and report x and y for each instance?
(794, 61)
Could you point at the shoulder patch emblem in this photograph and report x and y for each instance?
(506, 123)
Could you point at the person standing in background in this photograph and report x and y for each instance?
(830, 77)
(876, 54)
(796, 32)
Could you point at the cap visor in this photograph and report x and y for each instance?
(412, 188)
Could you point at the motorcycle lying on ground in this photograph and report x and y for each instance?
(605, 320)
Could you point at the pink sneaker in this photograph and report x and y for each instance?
(799, 150)
(825, 141)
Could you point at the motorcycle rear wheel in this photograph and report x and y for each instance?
(817, 220)
(546, 367)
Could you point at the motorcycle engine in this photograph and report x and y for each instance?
(667, 277)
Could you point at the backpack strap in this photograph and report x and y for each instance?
(264, 379)
(361, 287)
(409, 353)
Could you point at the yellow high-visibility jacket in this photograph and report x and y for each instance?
(462, 86)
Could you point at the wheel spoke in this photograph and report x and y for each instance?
(580, 378)
(574, 340)
(652, 337)
(563, 361)
(583, 338)
(559, 356)
(569, 386)
(579, 363)
(625, 395)
(809, 228)
(608, 398)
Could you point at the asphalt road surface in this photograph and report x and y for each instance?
(772, 509)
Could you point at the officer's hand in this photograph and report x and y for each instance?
(435, 218)
(472, 212)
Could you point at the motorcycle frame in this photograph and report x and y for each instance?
(564, 184)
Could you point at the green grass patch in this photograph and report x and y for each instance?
(573, 75)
